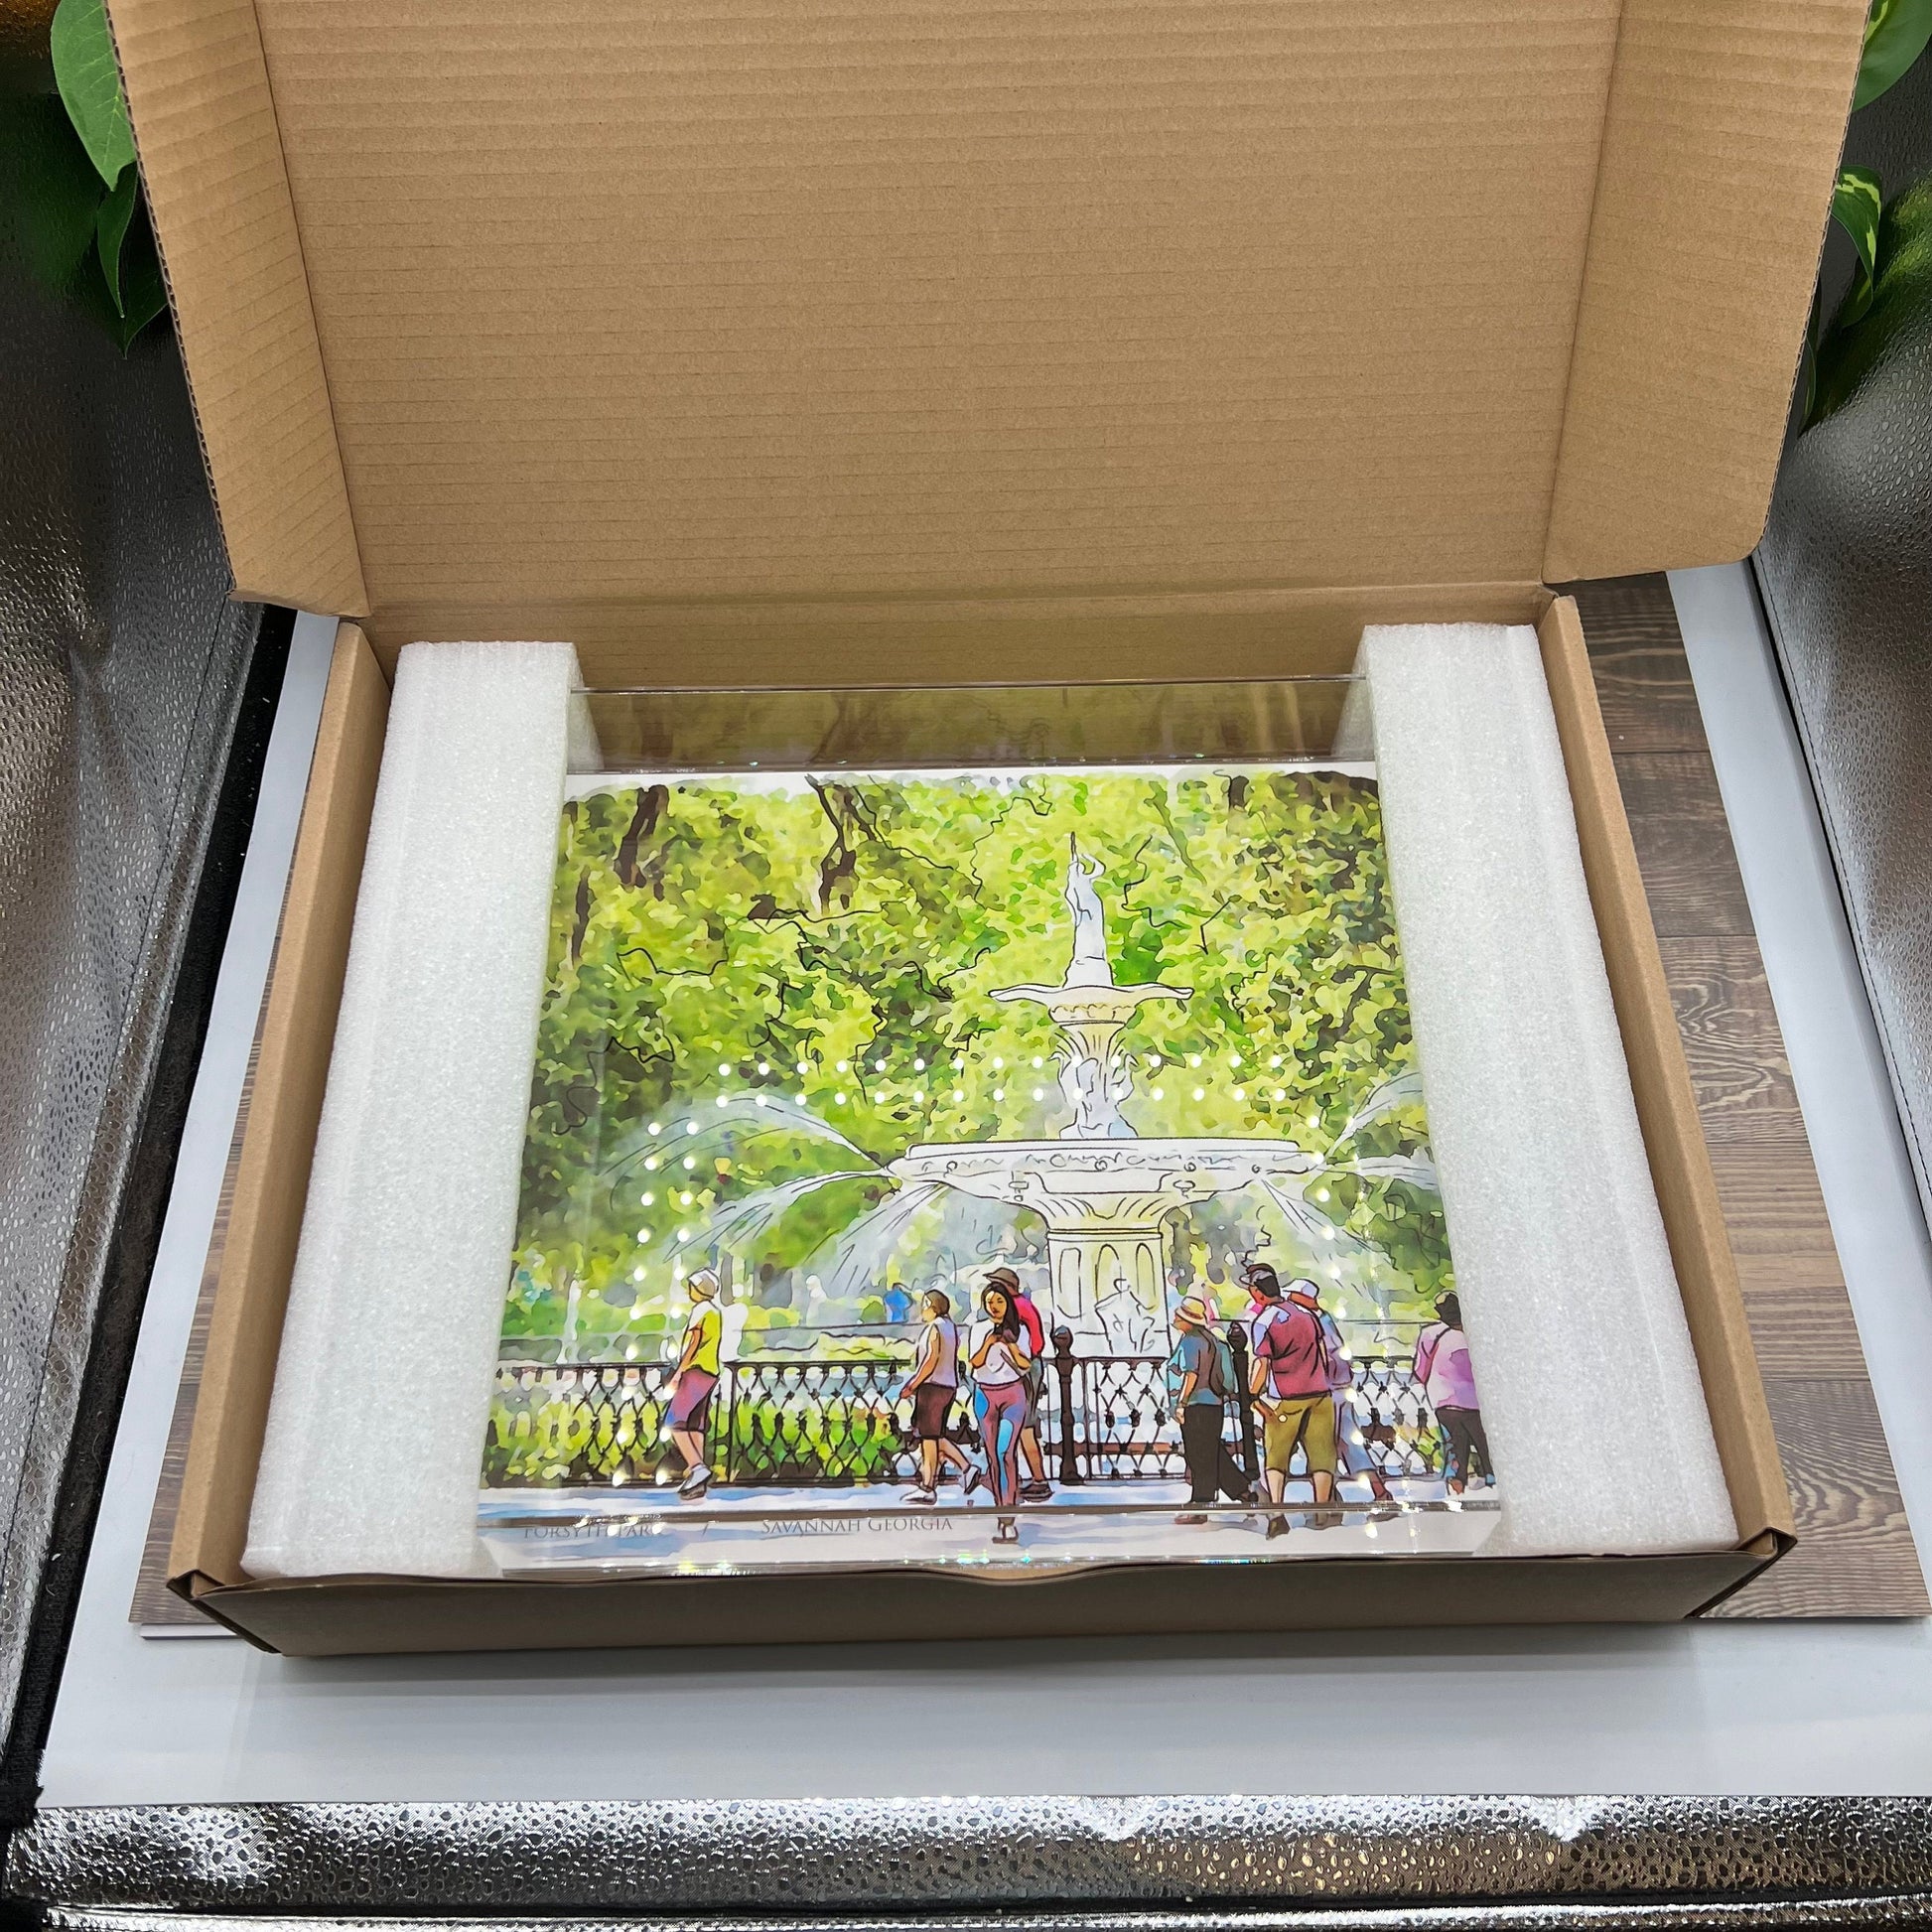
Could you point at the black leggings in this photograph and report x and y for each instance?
(1467, 1444)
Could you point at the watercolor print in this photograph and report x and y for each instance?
(993, 1167)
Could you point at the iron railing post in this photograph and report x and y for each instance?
(1244, 1400)
(1071, 1476)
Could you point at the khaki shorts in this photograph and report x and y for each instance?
(1308, 1420)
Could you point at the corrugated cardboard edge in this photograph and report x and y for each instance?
(1097, 639)
(358, 1615)
(271, 1184)
(1720, 142)
(1660, 1077)
(217, 189)
(1721, 125)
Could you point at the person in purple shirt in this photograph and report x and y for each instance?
(1442, 1368)
(1352, 1451)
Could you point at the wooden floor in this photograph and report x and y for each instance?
(1855, 1554)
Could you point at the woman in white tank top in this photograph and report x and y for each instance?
(998, 1359)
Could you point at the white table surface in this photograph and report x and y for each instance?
(1733, 1706)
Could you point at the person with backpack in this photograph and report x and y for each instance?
(1293, 1389)
(1201, 1369)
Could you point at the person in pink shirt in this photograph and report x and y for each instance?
(1036, 1489)
(1449, 1381)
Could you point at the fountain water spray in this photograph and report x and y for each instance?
(1104, 1192)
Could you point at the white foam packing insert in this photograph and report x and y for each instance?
(1590, 1395)
(374, 1441)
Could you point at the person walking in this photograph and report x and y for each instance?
(930, 1389)
(695, 1381)
(1201, 1369)
(1291, 1389)
(1353, 1456)
(1447, 1379)
(999, 1360)
(1036, 1489)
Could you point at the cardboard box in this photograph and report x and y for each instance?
(816, 345)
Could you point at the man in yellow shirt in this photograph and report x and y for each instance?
(695, 1381)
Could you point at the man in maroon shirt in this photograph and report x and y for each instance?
(1291, 1387)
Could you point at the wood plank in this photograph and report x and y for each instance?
(1683, 840)
(155, 1606)
(1801, 1318)
(1731, 1036)
(1771, 1203)
(1855, 1556)
(1642, 681)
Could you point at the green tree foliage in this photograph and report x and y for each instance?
(829, 950)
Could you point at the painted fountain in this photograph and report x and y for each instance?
(1104, 1193)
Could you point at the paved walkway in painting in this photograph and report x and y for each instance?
(1095, 1523)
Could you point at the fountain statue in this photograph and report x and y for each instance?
(1089, 965)
(1104, 1192)
(1089, 1011)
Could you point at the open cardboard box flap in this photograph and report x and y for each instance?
(608, 321)
(946, 340)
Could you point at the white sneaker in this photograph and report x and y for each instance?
(925, 1498)
(696, 1483)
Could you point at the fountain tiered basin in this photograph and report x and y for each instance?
(1105, 1204)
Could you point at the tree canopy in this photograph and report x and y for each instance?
(758, 981)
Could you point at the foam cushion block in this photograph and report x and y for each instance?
(382, 1385)
(1589, 1389)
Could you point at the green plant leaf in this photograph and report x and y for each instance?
(141, 296)
(1895, 311)
(111, 231)
(1895, 33)
(1857, 201)
(144, 295)
(91, 85)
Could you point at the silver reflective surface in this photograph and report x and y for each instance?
(1026, 1854)
(1551, 1915)
(120, 668)
(1845, 568)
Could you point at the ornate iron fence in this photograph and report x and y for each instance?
(820, 1423)
(576, 1425)
(812, 1422)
